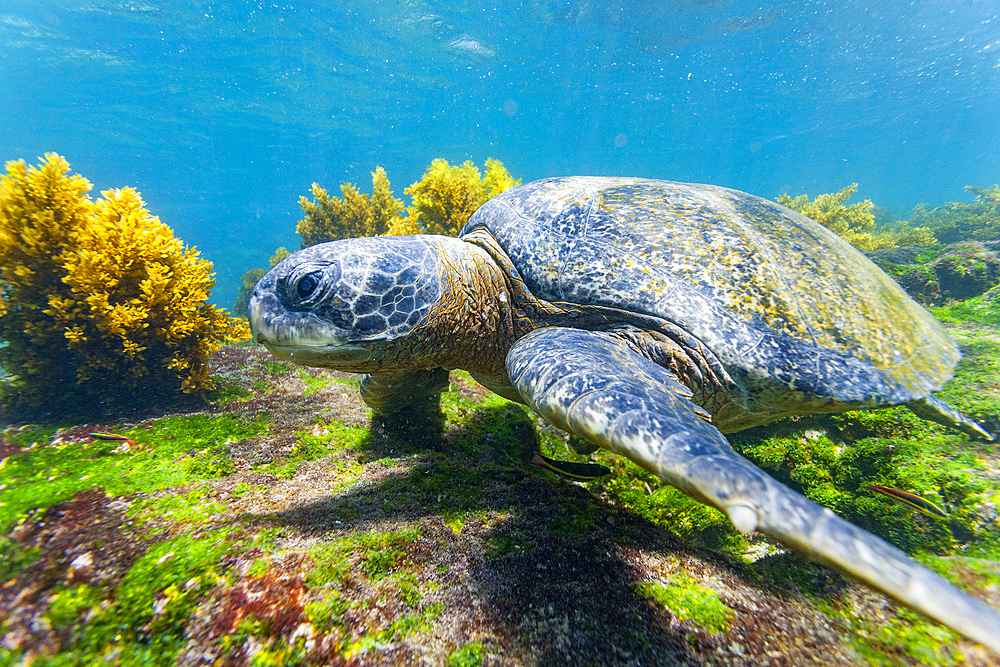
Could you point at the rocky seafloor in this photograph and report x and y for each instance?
(277, 524)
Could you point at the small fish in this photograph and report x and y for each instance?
(911, 499)
(113, 437)
(577, 471)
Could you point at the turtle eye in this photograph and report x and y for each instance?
(306, 285)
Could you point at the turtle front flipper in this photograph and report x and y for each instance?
(594, 385)
(391, 392)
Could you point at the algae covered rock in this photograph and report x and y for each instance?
(935, 275)
(954, 222)
(965, 270)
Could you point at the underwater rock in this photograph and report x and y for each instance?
(942, 274)
(965, 270)
(463, 548)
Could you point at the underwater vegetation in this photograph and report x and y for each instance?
(287, 526)
(250, 278)
(856, 223)
(99, 302)
(443, 199)
(329, 218)
(942, 274)
(955, 222)
(446, 195)
(946, 254)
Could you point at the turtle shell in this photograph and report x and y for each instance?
(784, 303)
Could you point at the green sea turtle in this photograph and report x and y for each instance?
(649, 317)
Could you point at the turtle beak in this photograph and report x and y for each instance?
(301, 337)
(344, 357)
(262, 312)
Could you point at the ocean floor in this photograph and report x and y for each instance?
(278, 525)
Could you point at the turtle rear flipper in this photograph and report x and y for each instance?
(935, 410)
(594, 385)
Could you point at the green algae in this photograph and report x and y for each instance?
(9, 658)
(327, 613)
(314, 382)
(467, 655)
(169, 452)
(381, 557)
(835, 472)
(68, 605)
(404, 626)
(322, 440)
(143, 620)
(274, 654)
(688, 600)
(243, 489)
(225, 393)
(831, 459)
(983, 310)
(908, 634)
(493, 427)
(378, 554)
(163, 586)
(509, 543)
(977, 564)
(196, 506)
(14, 559)
(484, 443)
(277, 368)
(637, 490)
(383, 552)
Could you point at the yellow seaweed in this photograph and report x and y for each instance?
(446, 195)
(856, 223)
(354, 214)
(443, 200)
(99, 299)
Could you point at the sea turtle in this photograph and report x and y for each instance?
(649, 317)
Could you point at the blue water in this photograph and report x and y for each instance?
(223, 113)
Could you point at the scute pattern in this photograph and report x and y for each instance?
(379, 288)
(795, 313)
(369, 289)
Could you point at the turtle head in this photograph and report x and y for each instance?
(343, 304)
